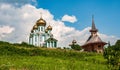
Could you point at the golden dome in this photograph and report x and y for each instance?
(46, 30)
(35, 27)
(49, 28)
(41, 22)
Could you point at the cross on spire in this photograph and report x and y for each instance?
(40, 14)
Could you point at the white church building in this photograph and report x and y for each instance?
(41, 35)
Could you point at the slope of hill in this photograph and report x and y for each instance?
(27, 57)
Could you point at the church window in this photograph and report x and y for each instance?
(38, 29)
(35, 38)
(99, 46)
(41, 28)
(54, 44)
(48, 44)
(40, 38)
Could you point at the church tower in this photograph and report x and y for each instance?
(40, 35)
(93, 29)
(94, 43)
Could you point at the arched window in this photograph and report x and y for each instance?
(55, 44)
(38, 28)
(41, 28)
(35, 38)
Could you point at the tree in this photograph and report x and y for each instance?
(112, 54)
(75, 47)
(118, 42)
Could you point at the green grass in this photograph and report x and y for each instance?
(47, 63)
(27, 57)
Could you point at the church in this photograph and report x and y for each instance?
(94, 42)
(41, 35)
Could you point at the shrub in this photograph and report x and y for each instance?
(112, 54)
(75, 47)
(11, 50)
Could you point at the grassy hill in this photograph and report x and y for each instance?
(27, 57)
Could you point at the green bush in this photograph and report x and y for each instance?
(112, 54)
(11, 50)
(76, 47)
(23, 44)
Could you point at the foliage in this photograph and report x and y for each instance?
(118, 43)
(112, 54)
(23, 57)
(3, 43)
(23, 44)
(76, 47)
(13, 49)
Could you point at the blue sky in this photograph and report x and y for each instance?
(106, 13)
(69, 19)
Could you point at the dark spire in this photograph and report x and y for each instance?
(93, 24)
(93, 29)
(109, 44)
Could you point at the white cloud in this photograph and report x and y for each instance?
(4, 30)
(68, 18)
(23, 18)
(16, 2)
(107, 38)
